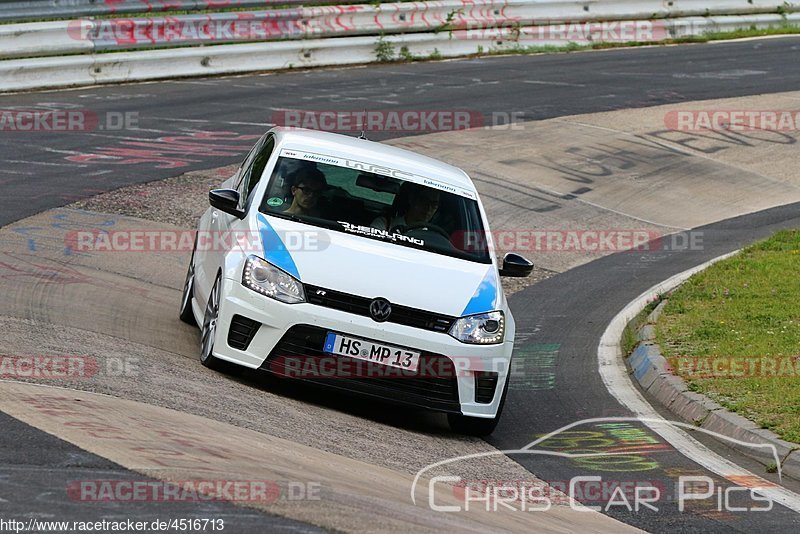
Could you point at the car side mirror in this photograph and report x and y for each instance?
(226, 200)
(516, 265)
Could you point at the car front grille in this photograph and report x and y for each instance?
(299, 355)
(360, 306)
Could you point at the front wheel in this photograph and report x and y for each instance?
(186, 313)
(209, 330)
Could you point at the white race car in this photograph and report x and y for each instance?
(358, 266)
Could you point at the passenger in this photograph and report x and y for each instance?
(414, 204)
(307, 185)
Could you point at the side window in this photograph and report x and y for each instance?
(259, 163)
(249, 172)
(248, 161)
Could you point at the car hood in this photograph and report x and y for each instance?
(372, 268)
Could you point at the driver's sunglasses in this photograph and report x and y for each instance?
(310, 190)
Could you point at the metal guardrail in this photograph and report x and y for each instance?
(347, 34)
(27, 10)
(88, 36)
(16, 10)
(241, 58)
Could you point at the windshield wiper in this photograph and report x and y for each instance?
(284, 215)
(313, 221)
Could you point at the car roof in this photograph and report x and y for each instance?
(371, 152)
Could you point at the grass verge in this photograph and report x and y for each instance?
(733, 333)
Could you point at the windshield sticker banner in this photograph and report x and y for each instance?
(378, 169)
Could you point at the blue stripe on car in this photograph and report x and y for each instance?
(275, 251)
(485, 297)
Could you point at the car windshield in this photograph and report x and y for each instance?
(376, 203)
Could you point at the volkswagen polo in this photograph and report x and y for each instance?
(358, 266)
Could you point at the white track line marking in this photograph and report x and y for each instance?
(615, 376)
(559, 84)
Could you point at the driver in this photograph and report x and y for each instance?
(422, 203)
(308, 183)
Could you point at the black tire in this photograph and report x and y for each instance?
(209, 329)
(478, 426)
(186, 313)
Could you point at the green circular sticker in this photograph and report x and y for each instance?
(274, 201)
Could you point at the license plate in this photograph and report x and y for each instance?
(372, 352)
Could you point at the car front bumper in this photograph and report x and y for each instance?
(286, 330)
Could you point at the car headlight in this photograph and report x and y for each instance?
(263, 277)
(482, 329)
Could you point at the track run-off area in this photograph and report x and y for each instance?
(596, 147)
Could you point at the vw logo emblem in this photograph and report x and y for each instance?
(380, 309)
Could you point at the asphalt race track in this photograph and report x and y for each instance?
(46, 170)
(560, 319)
(571, 311)
(52, 464)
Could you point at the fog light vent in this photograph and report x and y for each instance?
(485, 384)
(242, 332)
